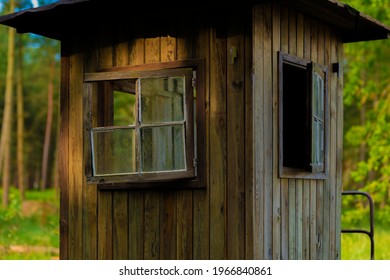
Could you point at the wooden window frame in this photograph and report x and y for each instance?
(94, 111)
(309, 170)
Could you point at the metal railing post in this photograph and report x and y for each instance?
(370, 233)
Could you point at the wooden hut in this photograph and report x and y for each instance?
(231, 144)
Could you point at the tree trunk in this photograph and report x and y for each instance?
(20, 122)
(49, 120)
(5, 153)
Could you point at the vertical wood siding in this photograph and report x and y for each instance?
(210, 223)
(245, 211)
(294, 218)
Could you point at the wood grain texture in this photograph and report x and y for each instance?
(258, 133)
(105, 117)
(184, 198)
(235, 140)
(276, 187)
(285, 218)
(201, 198)
(76, 167)
(268, 131)
(63, 154)
(249, 227)
(90, 200)
(218, 164)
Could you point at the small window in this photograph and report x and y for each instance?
(143, 127)
(302, 118)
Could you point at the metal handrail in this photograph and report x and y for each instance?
(370, 233)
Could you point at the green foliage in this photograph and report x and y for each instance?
(38, 54)
(12, 210)
(31, 226)
(124, 104)
(367, 113)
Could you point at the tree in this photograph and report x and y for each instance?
(38, 56)
(49, 120)
(20, 120)
(367, 112)
(5, 142)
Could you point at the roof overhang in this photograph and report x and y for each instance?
(354, 25)
(59, 19)
(51, 20)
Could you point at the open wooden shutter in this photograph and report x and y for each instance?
(317, 96)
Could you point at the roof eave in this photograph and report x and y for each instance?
(35, 20)
(353, 25)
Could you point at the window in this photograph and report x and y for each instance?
(145, 127)
(302, 118)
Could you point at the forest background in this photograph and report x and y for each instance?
(29, 115)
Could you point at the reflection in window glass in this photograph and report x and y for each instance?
(114, 151)
(162, 148)
(162, 99)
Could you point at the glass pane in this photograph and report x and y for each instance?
(318, 96)
(321, 98)
(317, 142)
(114, 151)
(162, 99)
(162, 148)
(315, 95)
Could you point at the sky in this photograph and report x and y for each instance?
(35, 4)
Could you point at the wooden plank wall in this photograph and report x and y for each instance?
(246, 211)
(211, 223)
(293, 218)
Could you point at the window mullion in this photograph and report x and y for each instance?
(138, 119)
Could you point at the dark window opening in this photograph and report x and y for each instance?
(302, 118)
(295, 127)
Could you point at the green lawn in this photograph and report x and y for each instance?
(356, 246)
(30, 230)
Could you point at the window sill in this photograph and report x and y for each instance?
(294, 173)
(172, 184)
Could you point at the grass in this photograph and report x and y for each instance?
(29, 230)
(356, 246)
